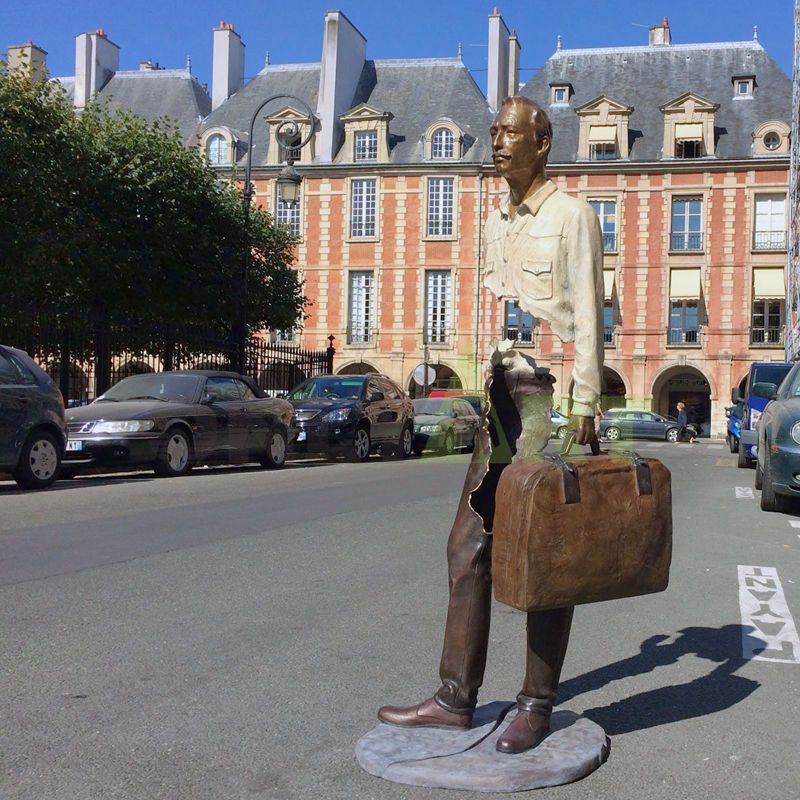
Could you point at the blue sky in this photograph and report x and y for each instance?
(292, 31)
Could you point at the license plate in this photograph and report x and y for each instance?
(73, 446)
(301, 437)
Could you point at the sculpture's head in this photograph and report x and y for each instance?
(521, 135)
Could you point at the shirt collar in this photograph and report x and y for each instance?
(532, 201)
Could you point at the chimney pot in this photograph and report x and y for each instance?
(660, 35)
(227, 74)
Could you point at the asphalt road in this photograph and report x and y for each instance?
(231, 634)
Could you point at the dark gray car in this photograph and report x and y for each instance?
(32, 429)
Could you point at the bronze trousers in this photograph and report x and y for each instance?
(469, 560)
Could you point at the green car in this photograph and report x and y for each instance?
(778, 449)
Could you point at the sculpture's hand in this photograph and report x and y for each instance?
(584, 429)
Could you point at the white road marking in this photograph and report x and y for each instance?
(716, 447)
(768, 630)
(795, 523)
(744, 493)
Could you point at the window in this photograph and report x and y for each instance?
(290, 147)
(362, 208)
(440, 207)
(362, 302)
(442, 143)
(519, 323)
(770, 229)
(246, 392)
(602, 151)
(608, 322)
(287, 214)
(683, 322)
(217, 150)
(742, 88)
(767, 327)
(687, 213)
(743, 85)
(366, 146)
(689, 140)
(772, 140)
(437, 306)
(222, 390)
(559, 94)
(8, 372)
(606, 210)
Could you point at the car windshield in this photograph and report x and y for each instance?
(439, 408)
(792, 389)
(335, 388)
(770, 373)
(153, 386)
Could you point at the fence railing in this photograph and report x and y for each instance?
(685, 336)
(686, 241)
(87, 354)
(766, 335)
(609, 242)
(769, 240)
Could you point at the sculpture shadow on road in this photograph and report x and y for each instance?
(718, 690)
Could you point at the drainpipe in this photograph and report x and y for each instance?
(478, 235)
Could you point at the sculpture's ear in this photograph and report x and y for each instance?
(544, 145)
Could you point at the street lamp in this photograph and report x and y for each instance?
(289, 181)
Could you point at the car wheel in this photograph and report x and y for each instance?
(613, 434)
(769, 500)
(175, 454)
(406, 444)
(734, 445)
(672, 435)
(275, 453)
(561, 433)
(39, 462)
(361, 444)
(449, 446)
(743, 462)
(759, 476)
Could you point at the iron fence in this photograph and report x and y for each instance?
(87, 354)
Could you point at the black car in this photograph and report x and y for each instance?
(444, 424)
(174, 420)
(351, 415)
(32, 429)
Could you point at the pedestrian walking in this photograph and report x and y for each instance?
(683, 421)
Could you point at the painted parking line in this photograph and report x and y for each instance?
(745, 493)
(768, 630)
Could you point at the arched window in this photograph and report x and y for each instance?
(442, 143)
(217, 149)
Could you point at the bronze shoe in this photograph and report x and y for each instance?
(427, 714)
(527, 730)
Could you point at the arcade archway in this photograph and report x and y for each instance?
(612, 394)
(684, 384)
(445, 378)
(357, 368)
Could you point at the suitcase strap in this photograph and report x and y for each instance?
(572, 486)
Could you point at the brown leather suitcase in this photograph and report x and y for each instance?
(580, 530)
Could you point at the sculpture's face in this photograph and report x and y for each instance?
(515, 150)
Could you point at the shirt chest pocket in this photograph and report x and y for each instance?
(537, 278)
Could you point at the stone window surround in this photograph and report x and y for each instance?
(219, 130)
(689, 108)
(378, 203)
(691, 257)
(750, 79)
(779, 127)
(424, 209)
(754, 191)
(458, 140)
(366, 118)
(372, 343)
(569, 91)
(603, 111)
(274, 150)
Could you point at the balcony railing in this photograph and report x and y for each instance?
(687, 241)
(769, 240)
(609, 242)
(766, 335)
(684, 336)
(608, 337)
(515, 334)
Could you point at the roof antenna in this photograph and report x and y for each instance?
(460, 53)
(558, 42)
(755, 33)
(266, 59)
(189, 63)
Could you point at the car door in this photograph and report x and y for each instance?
(394, 409)
(258, 418)
(225, 402)
(15, 402)
(378, 411)
(465, 430)
(651, 426)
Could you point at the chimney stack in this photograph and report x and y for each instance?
(514, 50)
(344, 49)
(497, 77)
(660, 35)
(149, 66)
(227, 75)
(28, 58)
(96, 61)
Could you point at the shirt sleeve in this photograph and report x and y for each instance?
(585, 266)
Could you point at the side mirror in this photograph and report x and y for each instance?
(727, 413)
(736, 396)
(375, 397)
(454, 414)
(767, 390)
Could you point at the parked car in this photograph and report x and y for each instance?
(622, 423)
(444, 424)
(777, 450)
(33, 433)
(733, 429)
(558, 424)
(172, 421)
(352, 415)
(475, 400)
(753, 406)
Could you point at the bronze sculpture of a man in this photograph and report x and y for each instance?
(544, 249)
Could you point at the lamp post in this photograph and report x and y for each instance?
(288, 190)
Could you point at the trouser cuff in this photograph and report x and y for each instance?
(537, 705)
(443, 702)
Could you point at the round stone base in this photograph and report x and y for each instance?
(449, 759)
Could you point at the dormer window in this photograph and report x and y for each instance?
(286, 130)
(560, 93)
(603, 133)
(771, 138)
(689, 127)
(602, 142)
(290, 149)
(743, 85)
(689, 140)
(217, 150)
(442, 143)
(366, 146)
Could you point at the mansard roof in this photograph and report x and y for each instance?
(648, 78)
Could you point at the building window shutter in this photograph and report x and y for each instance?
(684, 284)
(768, 284)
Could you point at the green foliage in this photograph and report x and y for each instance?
(105, 212)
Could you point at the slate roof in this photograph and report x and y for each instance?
(649, 77)
(416, 91)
